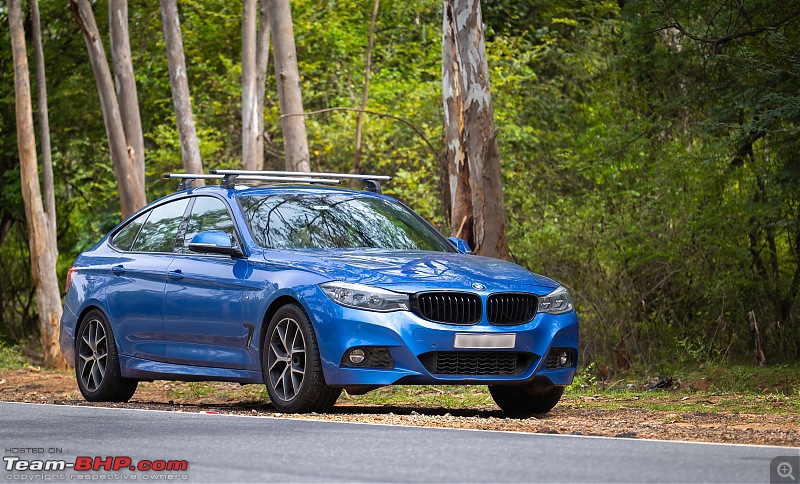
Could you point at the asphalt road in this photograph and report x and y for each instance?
(222, 448)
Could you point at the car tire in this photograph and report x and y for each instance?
(292, 366)
(525, 400)
(97, 368)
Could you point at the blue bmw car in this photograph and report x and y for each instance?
(309, 289)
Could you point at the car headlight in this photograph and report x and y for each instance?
(361, 296)
(557, 302)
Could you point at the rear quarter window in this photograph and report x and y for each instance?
(123, 240)
(158, 234)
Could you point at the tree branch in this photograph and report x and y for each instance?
(383, 115)
(722, 40)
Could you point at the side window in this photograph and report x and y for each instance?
(159, 232)
(208, 213)
(123, 240)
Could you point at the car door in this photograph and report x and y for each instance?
(202, 312)
(135, 292)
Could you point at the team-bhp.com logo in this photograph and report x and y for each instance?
(97, 463)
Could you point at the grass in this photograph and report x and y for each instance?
(11, 358)
(221, 391)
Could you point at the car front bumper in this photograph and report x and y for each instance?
(411, 340)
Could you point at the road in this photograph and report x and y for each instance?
(224, 448)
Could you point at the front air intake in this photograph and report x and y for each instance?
(475, 363)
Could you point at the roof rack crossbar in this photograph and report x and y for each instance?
(372, 182)
(228, 180)
(186, 179)
(305, 174)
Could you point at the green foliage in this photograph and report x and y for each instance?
(649, 150)
(11, 358)
(585, 380)
(646, 169)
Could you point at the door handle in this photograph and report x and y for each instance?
(175, 275)
(118, 270)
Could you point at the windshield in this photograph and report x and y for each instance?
(313, 221)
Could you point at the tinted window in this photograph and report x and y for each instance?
(304, 221)
(159, 232)
(208, 213)
(123, 240)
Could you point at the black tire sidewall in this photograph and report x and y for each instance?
(520, 401)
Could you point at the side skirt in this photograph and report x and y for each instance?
(142, 369)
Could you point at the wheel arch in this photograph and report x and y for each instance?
(273, 308)
(82, 316)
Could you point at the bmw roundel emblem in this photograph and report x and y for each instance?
(478, 286)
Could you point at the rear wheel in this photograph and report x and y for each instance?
(292, 366)
(97, 362)
(525, 400)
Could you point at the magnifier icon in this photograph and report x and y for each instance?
(785, 470)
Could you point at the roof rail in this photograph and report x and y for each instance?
(372, 181)
(227, 180)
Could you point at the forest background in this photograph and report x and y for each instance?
(650, 150)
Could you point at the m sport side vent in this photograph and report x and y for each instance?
(447, 307)
(475, 363)
(512, 308)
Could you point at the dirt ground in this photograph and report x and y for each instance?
(576, 415)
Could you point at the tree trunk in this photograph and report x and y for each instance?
(758, 350)
(190, 147)
(125, 83)
(365, 96)
(471, 154)
(48, 183)
(43, 258)
(249, 123)
(293, 122)
(262, 59)
(131, 190)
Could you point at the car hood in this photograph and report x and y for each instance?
(414, 271)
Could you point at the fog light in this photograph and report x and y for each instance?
(560, 358)
(357, 356)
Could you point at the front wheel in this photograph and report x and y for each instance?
(97, 362)
(292, 366)
(525, 400)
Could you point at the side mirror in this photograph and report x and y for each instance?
(461, 245)
(212, 242)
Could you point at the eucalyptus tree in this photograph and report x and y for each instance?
(130, 182)
(190, 147)
(255, 57)
(287, 75)
(48, 184)
(126, 83)
(471, 154)
(43, 250)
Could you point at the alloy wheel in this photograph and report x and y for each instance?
(286, 358)
(93, 352)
